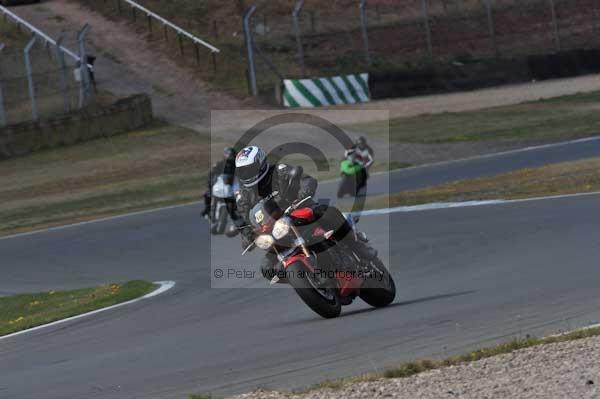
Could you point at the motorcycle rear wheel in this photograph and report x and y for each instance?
(380, 290)
(325, 301)
(347, 186)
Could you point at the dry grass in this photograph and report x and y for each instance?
(156, 166)
(560, 118)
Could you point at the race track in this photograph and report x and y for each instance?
(466, 278)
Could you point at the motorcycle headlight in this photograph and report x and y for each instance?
(282, 228)
(264, 241)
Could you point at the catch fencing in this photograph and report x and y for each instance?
(320, 38)
(180, 38)
(39, 76)
(332, 38)
(305, 38)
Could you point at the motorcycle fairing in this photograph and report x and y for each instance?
(304, 214)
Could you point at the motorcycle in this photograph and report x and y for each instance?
(353, 178)
(222, 203)
(324, 273)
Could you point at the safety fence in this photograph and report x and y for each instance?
(304, 38)
(150, 15)
(392, 37)
(39, 76)
(215, 59)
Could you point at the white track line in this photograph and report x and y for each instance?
(448, 205)
(164, 286)
(125, 215)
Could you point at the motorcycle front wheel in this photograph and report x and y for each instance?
(323, 301)
(218, 218)
(222, 221)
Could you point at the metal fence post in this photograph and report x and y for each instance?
(28, 69)
(180, 40)
(60, 55)
(298, 32)
(425, 11)
(492, 30)
(85, 86)
(250, 47)
(363, 28)
(555, 25)
(149, 18)
(2, 111)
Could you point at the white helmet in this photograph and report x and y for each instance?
(251, 166)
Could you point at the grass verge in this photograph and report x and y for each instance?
(21, 312)
(412, 368)
(561, 118)
(156, 166)
(563, 178)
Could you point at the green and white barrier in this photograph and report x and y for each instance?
(320, 92)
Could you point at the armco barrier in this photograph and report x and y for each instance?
(319, 92)
(125, 115)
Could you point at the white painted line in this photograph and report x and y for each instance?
(125, 215)
(448, 205)
(164, 286)
(428, 207)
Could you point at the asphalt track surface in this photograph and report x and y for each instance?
(466, 278)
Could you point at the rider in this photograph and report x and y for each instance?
(224, 167)
(362, 153)
(259, 179)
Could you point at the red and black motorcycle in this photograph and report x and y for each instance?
(324, 273)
